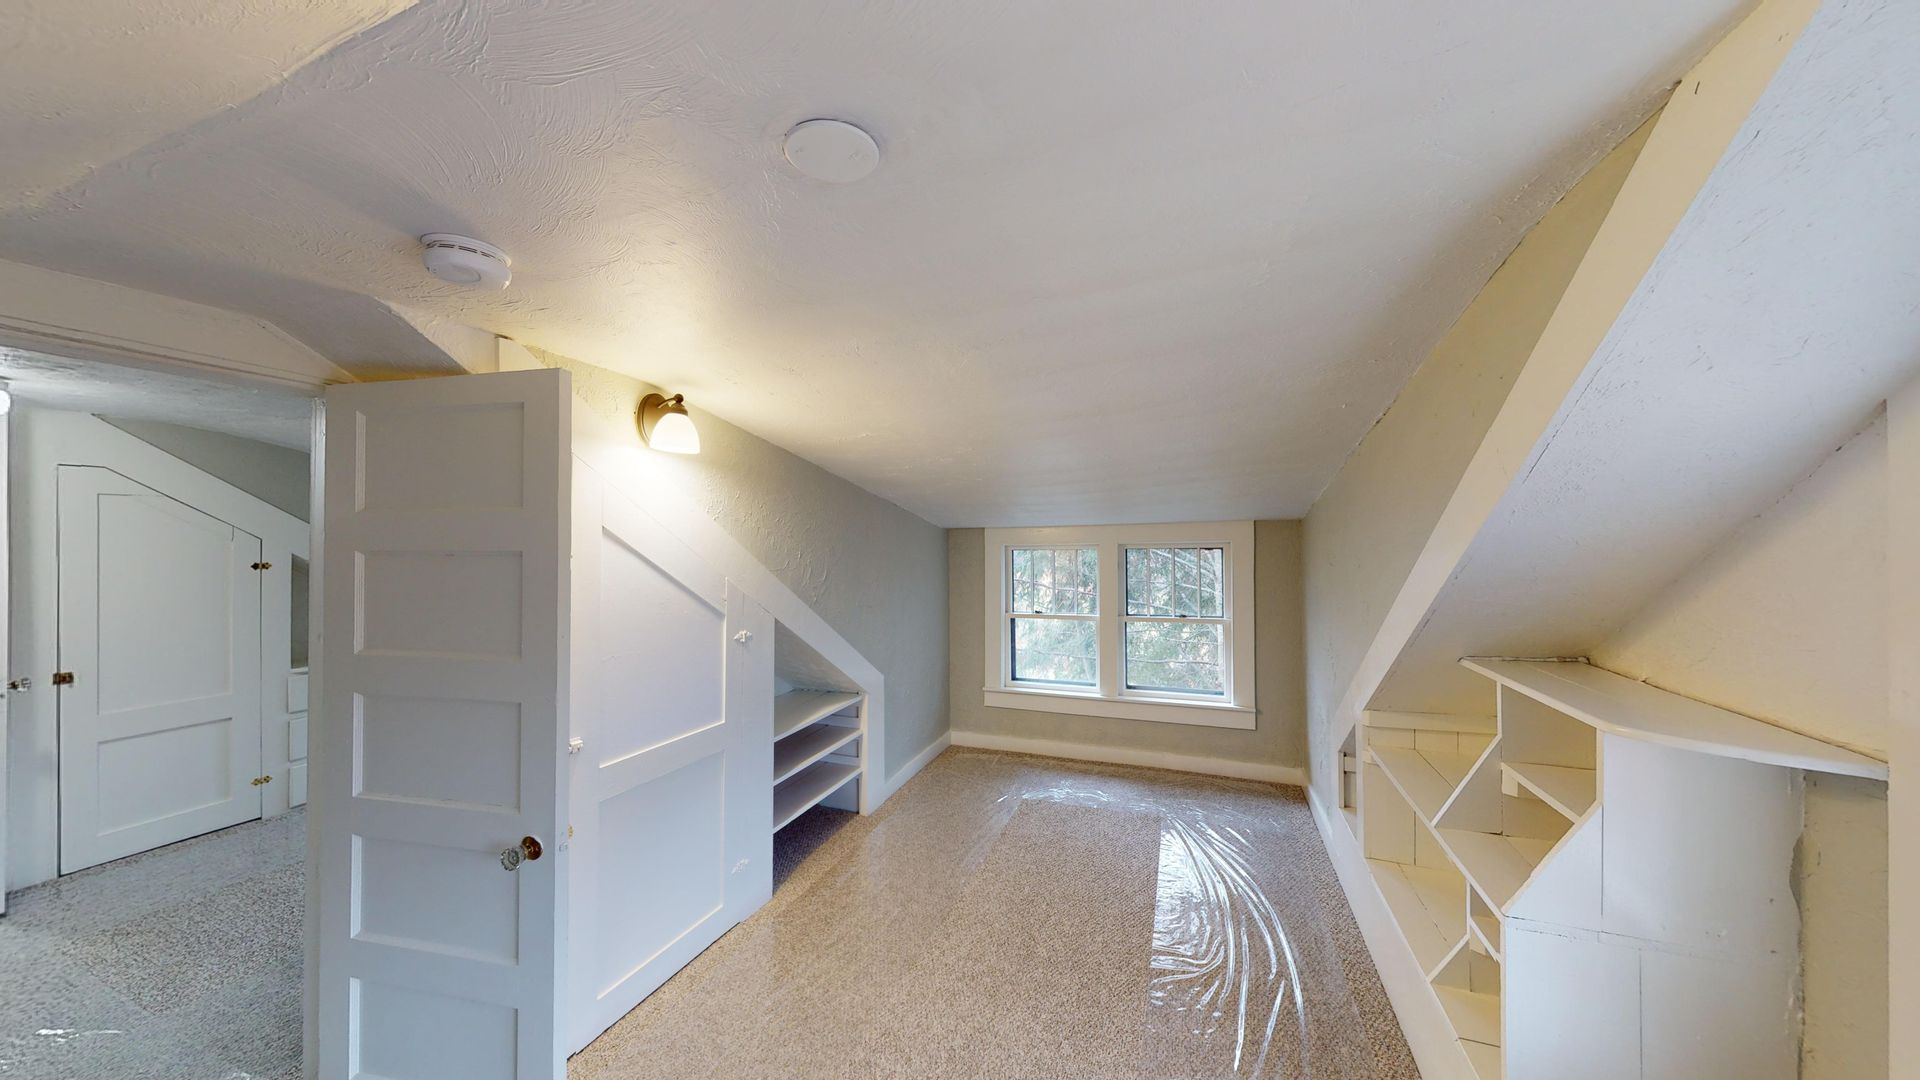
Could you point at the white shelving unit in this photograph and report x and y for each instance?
(797, 709)
(816, 751)
(1614, 855)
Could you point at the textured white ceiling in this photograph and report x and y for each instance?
(89, 81)
(1122, 261)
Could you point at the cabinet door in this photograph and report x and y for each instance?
(672, 787)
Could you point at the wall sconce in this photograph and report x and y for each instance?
(665, 425)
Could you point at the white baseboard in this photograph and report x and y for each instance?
(1429, 1033)
(1154, 759)
(920, 761)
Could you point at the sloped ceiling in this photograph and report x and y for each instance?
(88, 82)
(1122, 261)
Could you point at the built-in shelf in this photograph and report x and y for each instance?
(796, 709)
(1427, 905)
(1621, 706)
(804, 790)
(1427, 778)
(1497, 865)
(1485, 1059)
(1486, 931)
(1516, 816)
(1475, 1017)
(1417, 721)
(1569, 791)
(807, 746)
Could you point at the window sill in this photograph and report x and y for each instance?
(1166, 712)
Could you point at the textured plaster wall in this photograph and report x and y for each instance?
(1279, 734)
(873, 571)
(1787, 621)
(1366, 529)
(275, 475)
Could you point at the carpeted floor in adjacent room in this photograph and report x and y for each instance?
(183, 963)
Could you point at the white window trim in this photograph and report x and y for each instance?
(1109, 698)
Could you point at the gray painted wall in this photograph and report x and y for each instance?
(1279, 736)
(275, 475)
(875, 572)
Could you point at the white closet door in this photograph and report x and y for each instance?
(160, 631)
(672, 787)
(442, 697)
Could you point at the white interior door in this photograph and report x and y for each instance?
(160, 636)
(440, 718)
(6, 613)
(673, 785)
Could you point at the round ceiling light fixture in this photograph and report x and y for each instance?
(832, 150)
(462, 260)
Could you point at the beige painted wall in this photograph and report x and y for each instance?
(1365, 531)
(875, 572)
(1787, 621)
(1278, 736)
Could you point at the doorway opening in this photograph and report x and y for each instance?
(155, 725)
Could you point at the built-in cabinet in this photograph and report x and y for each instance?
(1595, 878)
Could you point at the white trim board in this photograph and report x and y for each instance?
(64, 315)
(912, 768)
(1118, 755)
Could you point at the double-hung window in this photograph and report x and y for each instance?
(1146, 622)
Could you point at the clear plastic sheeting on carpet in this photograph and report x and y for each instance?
(1226, 989)
(1009, 916)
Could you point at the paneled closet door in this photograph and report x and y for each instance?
(672, 782)
(160, 669)
(439, 777)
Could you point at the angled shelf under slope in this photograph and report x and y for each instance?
(796, 709)
(1496, 865)
(1618, 705)
(1425, 902)
(808, 745)
(1475, 1016)
(1428, 778)
(1570, 791)
(805, 790)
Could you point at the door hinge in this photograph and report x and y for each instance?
(263, 566)
(63, 678)
(258, 780)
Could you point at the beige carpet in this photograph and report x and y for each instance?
(1008, 916)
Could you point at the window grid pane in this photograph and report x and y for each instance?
(1054, 581)
(1055, 651)
(1176, 582)
(1180, 657)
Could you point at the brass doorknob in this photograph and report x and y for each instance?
(529, 849)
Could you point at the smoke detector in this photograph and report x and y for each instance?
(832, 150)
(462, 260)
